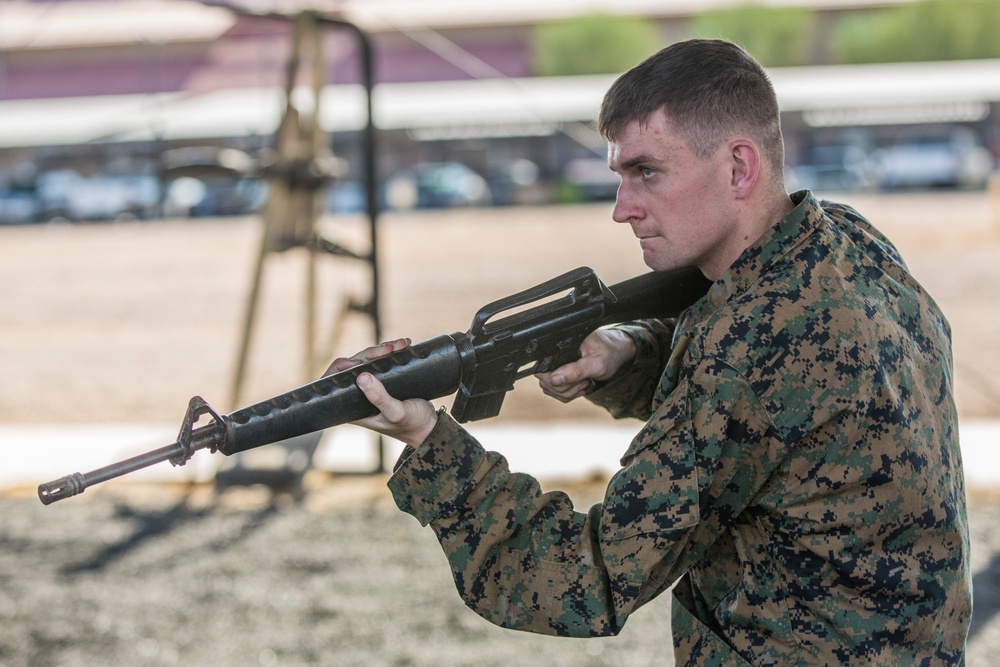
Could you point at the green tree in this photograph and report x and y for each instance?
(777, 36)
(924, 30)
(593, 44)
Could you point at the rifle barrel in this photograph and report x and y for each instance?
(77, 483)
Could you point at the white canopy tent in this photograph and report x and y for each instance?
(863, 94)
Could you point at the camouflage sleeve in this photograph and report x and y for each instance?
(630, 392)
(525, 559)
(521, 558)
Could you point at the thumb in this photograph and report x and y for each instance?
(390, 408)
(571, 373)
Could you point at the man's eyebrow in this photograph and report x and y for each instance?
(636, 161)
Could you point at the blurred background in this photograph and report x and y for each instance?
(103, 102)
(155, 153)
(203, 198)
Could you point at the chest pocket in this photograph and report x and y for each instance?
(656, 491)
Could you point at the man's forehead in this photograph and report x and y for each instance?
(649, 139)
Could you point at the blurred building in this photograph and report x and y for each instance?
(85, 83)
(65, 48)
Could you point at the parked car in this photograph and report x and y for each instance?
(64, 194)
(347, 196)
(190, 197)
(18, 207)
(516, 182)
(835, 167)
(950, 158)
(436, 185)
(209, 181)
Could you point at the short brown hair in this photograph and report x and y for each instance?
(708, 88)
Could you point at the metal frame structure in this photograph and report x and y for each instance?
(301, 168)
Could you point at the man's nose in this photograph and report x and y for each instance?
(625, 208)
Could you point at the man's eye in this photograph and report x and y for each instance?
(647, 172)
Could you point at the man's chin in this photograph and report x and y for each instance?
(657, 263)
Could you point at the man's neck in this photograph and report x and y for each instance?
(755, 217)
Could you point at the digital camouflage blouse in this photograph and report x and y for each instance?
(798, 479)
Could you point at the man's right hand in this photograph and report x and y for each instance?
(409, 421)
(602, 354)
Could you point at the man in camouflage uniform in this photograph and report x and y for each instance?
(798, 476)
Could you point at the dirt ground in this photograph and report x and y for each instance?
(156, 576)
(124, 322)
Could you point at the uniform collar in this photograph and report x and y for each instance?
(757, 259)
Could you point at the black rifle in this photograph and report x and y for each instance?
(542, 331)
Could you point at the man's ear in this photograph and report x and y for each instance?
(746, 166)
